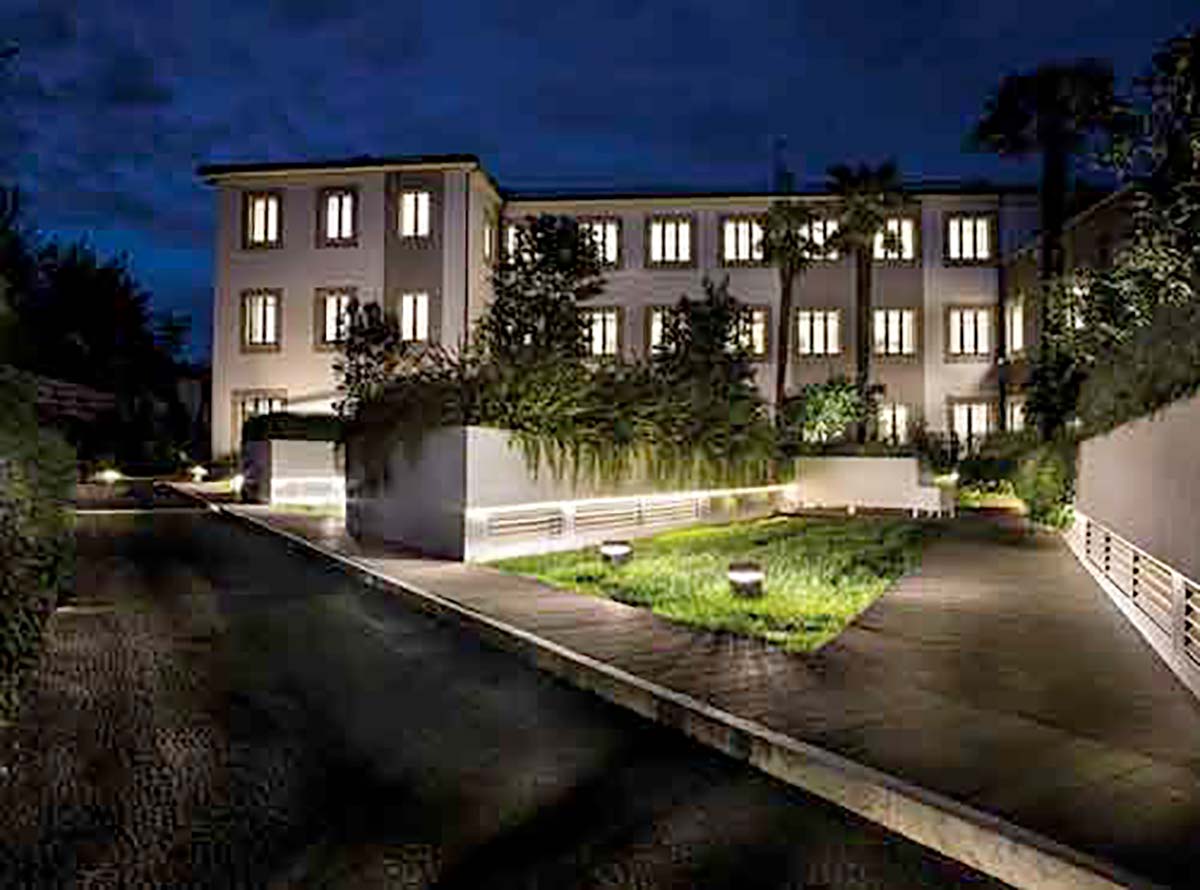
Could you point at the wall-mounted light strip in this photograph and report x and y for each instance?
(484, 512)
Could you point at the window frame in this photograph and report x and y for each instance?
(320, 296)
(416, 237)
(583, 221)
(825, 311)
(828, 255)
(957, 215)
(735, 218)
(915, 218)
(916, 334)
(587, 312)
(248, 198)
(419, 341)
(890, 408)
(653, 218)
(648, 323)
(1012, 306)
(973, 441)
(244, 297)
(1015, 406)
(765, 308)
(949, 354)
(238, 396)
(322, 235)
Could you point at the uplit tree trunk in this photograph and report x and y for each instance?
(862, 330)
(783, 338)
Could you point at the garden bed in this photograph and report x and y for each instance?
(820, 574)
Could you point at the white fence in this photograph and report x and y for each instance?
(1162, 603)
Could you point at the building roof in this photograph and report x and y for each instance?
(355, 163)
(923, 187)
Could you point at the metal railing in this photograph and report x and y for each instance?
(1166, 603)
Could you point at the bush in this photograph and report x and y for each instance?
(1045, 481)
(37, 476)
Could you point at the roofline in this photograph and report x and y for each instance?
(337, 165)
(966, 188)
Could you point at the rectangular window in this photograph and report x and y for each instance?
(1014, 313)
(895, 332)
(903, 240)
(818, 235)
(752, 332)
(819, 332)
(333, 315)
(510, 241)
(606, 234)
(489, 242)
(414, 214)
(254, 404)
(337, 219)
(656, 321)
(414, 317)
(263, 220)
(972, 422)
(893, 422)
(1015, 409)
(742, 241)
(969, 331)
(670, 241)
(969, 239)
(602, 330)
(260, 318)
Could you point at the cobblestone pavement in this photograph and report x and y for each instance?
(215, 711)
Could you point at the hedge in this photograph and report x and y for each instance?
(37, 478)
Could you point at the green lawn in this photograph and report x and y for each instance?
(820, 573)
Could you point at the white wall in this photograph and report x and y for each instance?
(880, 482)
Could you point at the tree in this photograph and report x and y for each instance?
(534, 316)
(787, 245)
(866, 197)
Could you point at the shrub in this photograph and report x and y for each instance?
(37, 475)
(1045, 481)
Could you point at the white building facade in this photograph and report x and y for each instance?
(420, 235)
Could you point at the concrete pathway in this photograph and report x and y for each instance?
(998, 675)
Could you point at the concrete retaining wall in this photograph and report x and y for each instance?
(294, 471)
(870, 482)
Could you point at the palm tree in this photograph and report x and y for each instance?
(787, 238)
(866, 197)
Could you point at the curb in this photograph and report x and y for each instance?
(980, 840)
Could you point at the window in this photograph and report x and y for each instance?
(489, 242)
(1014, 327)
(414, 214)
(252, 404)
(893, 422)
(602, 330)
(969, 331)
(656, 323)
(895, 331)
(263, 224)
(333, 314)
(818, 236)
(606, 233)
(1015, 409)
(972, 421)
(510, 241)
(1076, 305)
(260, 319)
(752, 331)
(903, 240)
(414, 316)
(819, 332)
(670, 241)
(969, 239)
(742, 241)
(336, 217)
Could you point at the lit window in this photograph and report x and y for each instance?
(334, 307)
(414, 214)
(742, 241)
(819, 332)
(656, 326)
(262, 219)
(893, 422)
(970, 331)
(1015, 409)
(969, 239)
(895, 331)
(606, 233)
(903, 244)
(602, 331)
(818, 235)
(414, 316)
(972, 422)
(489, 242)
(259, 403)
(670, 241)
(337, 210)
(752, 331)
(1014, 313)
(260, 318)
(510, 241)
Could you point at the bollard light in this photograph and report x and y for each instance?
(109, 476)
(237, 483)
(198, 473)
(746, 579)
(616, 552)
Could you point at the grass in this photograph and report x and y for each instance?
(820, 573)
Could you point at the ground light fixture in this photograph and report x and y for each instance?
(237, 483)
(746, 579)
(198, 473)
(616, 552)
(109, 476)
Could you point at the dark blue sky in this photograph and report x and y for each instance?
(113, 103)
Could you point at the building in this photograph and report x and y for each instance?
(419, 234)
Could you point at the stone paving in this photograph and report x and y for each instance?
(998, 674)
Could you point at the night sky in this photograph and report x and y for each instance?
(113, 103)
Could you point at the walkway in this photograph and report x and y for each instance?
(998, 675)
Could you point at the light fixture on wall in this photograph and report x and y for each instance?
(616, 552)
(746, 579)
